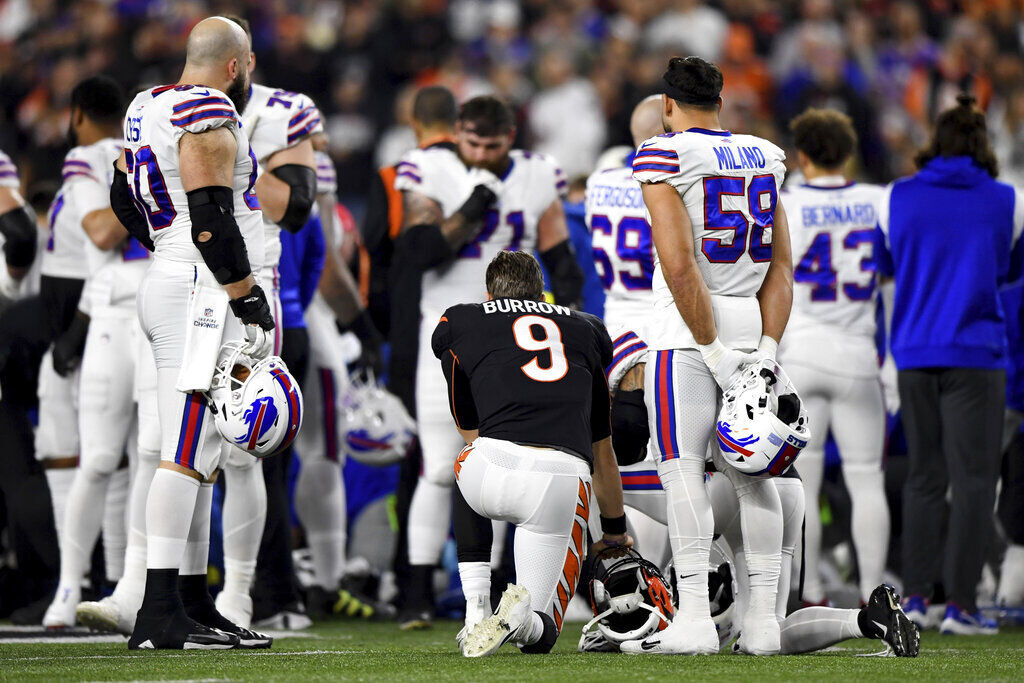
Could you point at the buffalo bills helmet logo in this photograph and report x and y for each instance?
(259, 417)
(361, 441)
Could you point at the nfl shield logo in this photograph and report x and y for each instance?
(208, 313)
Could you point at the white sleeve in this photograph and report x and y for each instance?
(326, 174)
(8, 172)
(287, 119)
(656, 161)
(198, 111)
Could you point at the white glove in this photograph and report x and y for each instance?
(890, 388)
(725, 364)
(259, 342)
(481, 176)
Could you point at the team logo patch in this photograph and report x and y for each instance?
(259, 417)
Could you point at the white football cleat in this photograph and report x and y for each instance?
(61, 612)
(476, 611)
(510, 622)
(107, 615)
(760, 636)
(235, 607)
(684, 636)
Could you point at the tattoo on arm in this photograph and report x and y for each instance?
(419, 210)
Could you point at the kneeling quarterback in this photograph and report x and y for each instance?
(526, 387)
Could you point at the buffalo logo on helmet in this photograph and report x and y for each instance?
(360, 440)
(259, 417)
(731, 443)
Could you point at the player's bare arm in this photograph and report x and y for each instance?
(337, 286)
(776, 294)
(608, 491)
(557, 255)
(673, 240)
(103, 228)
(286, 189)
(19, 233)
(207, 160)
(418, 209)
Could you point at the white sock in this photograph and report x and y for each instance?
(690, 527)
(791, 495)
(814, 628)
(535, 632)
(83, 515)
(811, 472)
(115, 531)
(430, 515)
(245, 511)
(320, 504)
(59, 482)
(476, 586)
(869, 524)
(761, 519)
(197, 550)
(130, 588)
(169, 507)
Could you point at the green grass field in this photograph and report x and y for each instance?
(362, 651)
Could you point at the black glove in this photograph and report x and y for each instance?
(370, 340)
(69, 346)
(479, 201)
(253, 309)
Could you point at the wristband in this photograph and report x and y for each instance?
(613, 526)
(768, 346)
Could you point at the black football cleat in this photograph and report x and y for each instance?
(175, 631)
(207, 615)
(883, 618)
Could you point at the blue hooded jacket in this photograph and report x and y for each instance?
(950, 236)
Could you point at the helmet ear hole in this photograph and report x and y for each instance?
(789, 408)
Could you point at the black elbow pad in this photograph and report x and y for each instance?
(302, 181)
(127, 212)
(630, 430)
(423, 246)
(19, 231)
(215, 233)
(566, 275)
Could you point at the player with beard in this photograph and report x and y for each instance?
(461, 206)
(188, 166)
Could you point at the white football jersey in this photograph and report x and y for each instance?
(86, 176)
(275, 120)
(326, 174)
(114, 274)
(729, 185)
(623, 249)
(153, 126)
(528, 187)
(831, 227)
(8, 172)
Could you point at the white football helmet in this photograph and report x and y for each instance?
(375, 427)
(257, 405)
(762, 426)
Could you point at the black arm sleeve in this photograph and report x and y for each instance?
(212, 212)
(302, 181)
(423, 246)
(19, 231)
(566, 275)
(126, 211)
(460, 398)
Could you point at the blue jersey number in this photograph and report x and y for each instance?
(762, 196)
(815, 268)
(632, 245)
(164, 213)
(515, 221)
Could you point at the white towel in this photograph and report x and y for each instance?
(207, 315)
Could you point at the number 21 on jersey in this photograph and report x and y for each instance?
(549, 339)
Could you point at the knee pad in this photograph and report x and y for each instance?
(101, 462)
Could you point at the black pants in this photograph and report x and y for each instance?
(274, 588)
(1011, 495)
(953, 419)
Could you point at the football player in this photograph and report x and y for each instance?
(532, 444)
(462, 205)
(106, 413)
(188, 165)
(18, 234)
(279, 125)
(832, 221)
(623, 254)
(723, 284)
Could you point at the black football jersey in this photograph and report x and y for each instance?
(529, 372)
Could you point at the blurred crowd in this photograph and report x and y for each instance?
(573, 69)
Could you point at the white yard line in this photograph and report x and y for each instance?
(247, 653)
